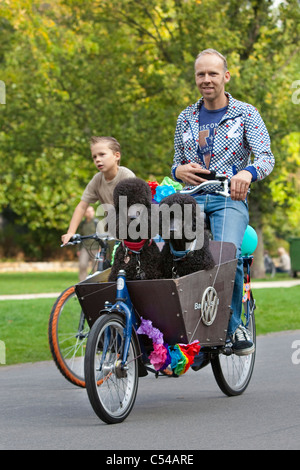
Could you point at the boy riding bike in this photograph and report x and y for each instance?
(106, 154)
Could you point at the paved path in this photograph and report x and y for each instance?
(41, 410)
(51, 295)
(275, 284)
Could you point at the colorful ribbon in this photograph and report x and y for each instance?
(246, 292)
(180, 356)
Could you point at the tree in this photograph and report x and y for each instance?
(74, 69)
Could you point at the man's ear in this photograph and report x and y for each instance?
(227, 76)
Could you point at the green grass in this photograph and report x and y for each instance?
(36, 282)
(24, 323)
(277, 309)
(24, 329)
(276, 277)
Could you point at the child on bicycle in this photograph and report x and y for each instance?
(106, 154)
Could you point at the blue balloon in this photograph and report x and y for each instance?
(249, 241)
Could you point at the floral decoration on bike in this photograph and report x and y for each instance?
(167, 187)
(179, 356)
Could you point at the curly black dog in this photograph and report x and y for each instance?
(137, 253)
(181, 255)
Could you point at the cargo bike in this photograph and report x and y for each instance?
(188, 311)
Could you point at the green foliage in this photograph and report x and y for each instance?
(73, 69)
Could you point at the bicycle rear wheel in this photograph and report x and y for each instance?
(233, 373)
(111, 390)
(67, 333)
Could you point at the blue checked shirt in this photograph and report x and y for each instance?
(241, 142)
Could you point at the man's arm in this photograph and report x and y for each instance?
(263, 162)
(259, 143)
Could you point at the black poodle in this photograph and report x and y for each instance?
(137, 253)
(182, 256)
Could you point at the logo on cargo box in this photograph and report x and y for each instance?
(209, 306)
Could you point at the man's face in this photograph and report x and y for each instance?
(211, 77)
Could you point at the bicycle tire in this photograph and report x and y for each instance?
(233, 373)
(67, 344)
(111, 391)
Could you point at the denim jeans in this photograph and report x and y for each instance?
(228, 222)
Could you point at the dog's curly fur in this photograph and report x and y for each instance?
(196, 260)
(137, 191)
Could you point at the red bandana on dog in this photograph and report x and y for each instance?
(135, 246)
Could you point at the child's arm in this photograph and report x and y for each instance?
(77, 217)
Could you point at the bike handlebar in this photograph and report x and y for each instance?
(100, 238)
(213, 179)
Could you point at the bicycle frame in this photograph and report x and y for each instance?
(123, 303)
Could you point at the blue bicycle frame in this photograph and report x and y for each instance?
(123, 303)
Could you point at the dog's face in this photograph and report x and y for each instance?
(132, 200)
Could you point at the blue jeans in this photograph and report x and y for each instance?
(231, 229)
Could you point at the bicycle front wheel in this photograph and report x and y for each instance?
(111, 389)
(233, 373)
(67, 333)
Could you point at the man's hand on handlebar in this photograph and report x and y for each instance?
(239, 185)
(188, 173)
(194, 174)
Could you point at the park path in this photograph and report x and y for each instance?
(54, 295)
(40, 410)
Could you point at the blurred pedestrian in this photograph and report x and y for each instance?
(87, 227)
(269, 264)
(284, 265)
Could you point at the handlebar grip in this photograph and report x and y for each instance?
(76, 238)
(207, 176)
(73, 240)
(213, 176)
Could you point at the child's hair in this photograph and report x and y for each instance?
(112, 143)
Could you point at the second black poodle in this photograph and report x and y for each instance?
(179, 254)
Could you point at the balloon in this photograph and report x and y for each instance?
(249, 241)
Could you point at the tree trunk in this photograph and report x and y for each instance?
(258, 270)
